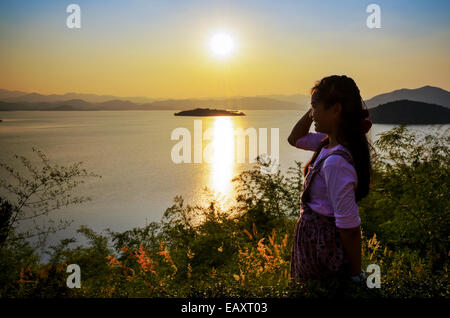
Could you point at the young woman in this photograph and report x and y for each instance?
(327, 237)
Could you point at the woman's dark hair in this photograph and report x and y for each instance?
(342, 89)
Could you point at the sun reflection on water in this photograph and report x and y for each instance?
(222, 160)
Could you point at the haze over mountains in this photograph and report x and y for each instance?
(180, 104)
(423, 98)
(426, 94)
(19, 96)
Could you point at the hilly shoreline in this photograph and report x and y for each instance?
(424, 105)
(410, 112)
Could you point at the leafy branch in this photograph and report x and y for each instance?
(39, 190)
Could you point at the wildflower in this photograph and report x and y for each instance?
(144, 260)
(22, 276)
(43, 273)
(272, 238)
(285, 240)
(248, 233)
(113, 261)
(242, 276)
(167, 257)
(190, 254)
(254, 229)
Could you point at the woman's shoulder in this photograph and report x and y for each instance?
(336, 169)
(338, 160)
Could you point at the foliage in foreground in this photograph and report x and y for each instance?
(244, 250)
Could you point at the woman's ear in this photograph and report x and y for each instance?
(337, 109)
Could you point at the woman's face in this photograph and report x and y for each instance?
(325, 120)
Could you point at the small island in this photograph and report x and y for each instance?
(209, 112)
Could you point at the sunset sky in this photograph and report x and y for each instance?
(162, 49)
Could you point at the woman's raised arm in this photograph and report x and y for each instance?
(301, 128)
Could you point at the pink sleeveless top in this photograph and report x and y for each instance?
(333, 187)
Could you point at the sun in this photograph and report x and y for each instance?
(222, 44)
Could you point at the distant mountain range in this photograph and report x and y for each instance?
(17, 100)
(117, 104)
(18, 97)
(426, 94)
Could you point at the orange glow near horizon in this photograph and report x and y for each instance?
(213, 50)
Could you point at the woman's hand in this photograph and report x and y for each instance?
(301, 128)
(359, 278)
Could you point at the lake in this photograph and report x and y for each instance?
(132, 151)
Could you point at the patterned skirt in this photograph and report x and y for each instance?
(318, 251)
